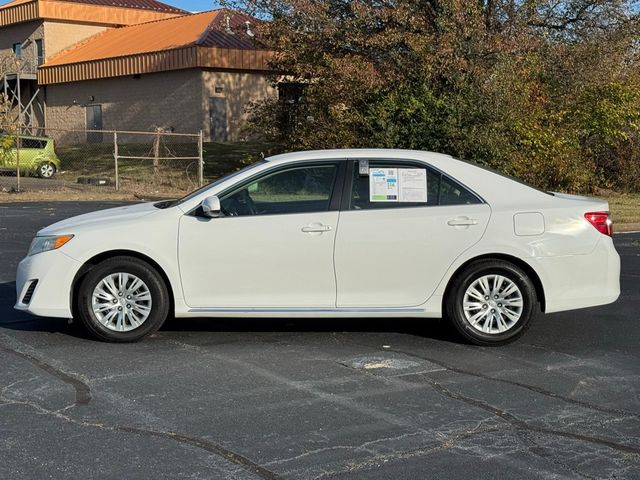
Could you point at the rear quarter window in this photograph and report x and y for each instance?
(452, 193)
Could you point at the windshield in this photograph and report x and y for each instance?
(171, 203)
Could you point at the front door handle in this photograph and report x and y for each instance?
(462, 222)
(316, 228)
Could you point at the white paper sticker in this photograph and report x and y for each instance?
(412, 183)
(383, 184)
(398, 185)
(363, 168)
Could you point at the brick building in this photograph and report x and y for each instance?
(131, 65)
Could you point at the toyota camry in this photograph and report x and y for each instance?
(339, 233)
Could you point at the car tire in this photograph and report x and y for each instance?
(122, 299)
(491, 302)
(46, 170)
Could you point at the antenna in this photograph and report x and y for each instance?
(249, 31)
(227, 22)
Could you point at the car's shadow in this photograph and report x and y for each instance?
(11, 319)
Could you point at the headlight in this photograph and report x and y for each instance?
(49, 242)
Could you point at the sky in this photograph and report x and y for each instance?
(190, 5)
(193, 5)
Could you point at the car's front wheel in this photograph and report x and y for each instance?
(122, 299)
(46, 170)
(491, 302)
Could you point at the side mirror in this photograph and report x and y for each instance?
(211, 207)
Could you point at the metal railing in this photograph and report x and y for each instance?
(12, 65)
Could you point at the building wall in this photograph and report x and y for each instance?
(239, 89)
(177, 100)
(59, 36)
(169, 100)
(25, 33)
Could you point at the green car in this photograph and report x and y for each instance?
(37, 155)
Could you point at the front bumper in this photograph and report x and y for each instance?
(52, 295)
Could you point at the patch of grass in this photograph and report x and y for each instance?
(170, 176)
(97, 159)
(73, 195)
(625, 209)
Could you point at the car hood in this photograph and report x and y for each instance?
(101, 218)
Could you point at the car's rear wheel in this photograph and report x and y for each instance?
(122, 299)
(491, 302)
(46, 170)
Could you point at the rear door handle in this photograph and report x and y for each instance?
(316, 228)
(462, 222)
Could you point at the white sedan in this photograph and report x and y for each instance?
(340, 233)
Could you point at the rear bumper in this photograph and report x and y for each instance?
(55, 272)
(580, 281)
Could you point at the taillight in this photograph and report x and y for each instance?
(601, 221)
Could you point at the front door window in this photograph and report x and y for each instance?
(296, 190)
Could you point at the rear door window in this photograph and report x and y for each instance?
(392, 184)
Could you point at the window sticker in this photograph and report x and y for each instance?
(398, 185)
(383, 184)
(412, 184)
(363, 168)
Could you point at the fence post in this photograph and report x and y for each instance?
(156, 152)
(18, 159)
(115, 158)
(201, 160)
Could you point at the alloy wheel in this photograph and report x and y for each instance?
(493, 304)
(121, 302)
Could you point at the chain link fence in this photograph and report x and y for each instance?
(158, 163)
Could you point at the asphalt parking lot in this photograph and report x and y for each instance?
(311, 399)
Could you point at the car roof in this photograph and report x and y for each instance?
(351, 153)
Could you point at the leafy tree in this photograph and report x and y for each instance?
(548, 90)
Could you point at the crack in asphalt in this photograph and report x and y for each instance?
(531, 445)
(83, 397)
(511, 419)
(318, 393)
(200, 443)
(376, 460)
(443, 443)
(83, 392)
(532, 388)
(522, 425)
(208, 446)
